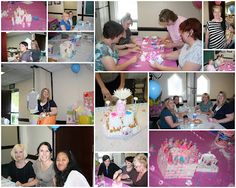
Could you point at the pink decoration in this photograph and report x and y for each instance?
(89, 100)
(114, 114)
(217, 2)
(121, 107)
(197, 4)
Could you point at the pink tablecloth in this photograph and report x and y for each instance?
(152, 45)
(37, 9)
(227, 66)
(107, 182)
(205, 142)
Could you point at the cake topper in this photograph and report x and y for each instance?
(123, 93)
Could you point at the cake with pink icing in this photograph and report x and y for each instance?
(119, 120)
(177, 159)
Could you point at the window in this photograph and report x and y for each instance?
(123, 7)
(175, 85)
(203, 86)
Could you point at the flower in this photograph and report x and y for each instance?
(122, 93)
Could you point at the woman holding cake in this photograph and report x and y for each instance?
(46, 106)
(65, 23)
(20, 170)
(107, 55)
(222, 112)
(67, 174)
(168, 119)
(205, 105)
(190, 55)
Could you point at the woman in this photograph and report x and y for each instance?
(20, 170)
(107, 55)
(190, 55)
(168, 119)
(215, 30)
(65, 23)
(222, 112)
(205, 105)
(172, 21)
(46, 106)
(25, 54)
(35, 50)
(107, 168)
(67, 174)
(43, 167)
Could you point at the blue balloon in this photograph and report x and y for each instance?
(75, 68)
(54, 128)
(154, 89)
(231, 9)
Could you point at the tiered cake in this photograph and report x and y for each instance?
(67, 49)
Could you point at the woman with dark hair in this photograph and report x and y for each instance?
(107, 168)
(172, 21)
(35, 50)
(107, 55)
(67, 174)
(215, 37)
(43, 167)
(190, 55)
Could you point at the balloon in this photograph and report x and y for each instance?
(75, 68)
(54, 128)
(217, 2)
(154, 89)
(231, 9)
(197, 4)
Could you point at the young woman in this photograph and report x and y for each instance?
(205, 105)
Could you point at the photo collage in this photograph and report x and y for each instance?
(123, 93)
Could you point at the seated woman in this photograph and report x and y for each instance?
(20, 170)
(107, 168)
(46, 106)
(205, 105)
(168, 119)
(65, 23)
(107, 55)
(222, 112)
(67, 174)
(190, 55)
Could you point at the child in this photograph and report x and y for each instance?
(210, 66)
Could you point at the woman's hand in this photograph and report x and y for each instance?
(136, 49)
(134, 59)
(130, 45)
(18, 184)
(106, 93)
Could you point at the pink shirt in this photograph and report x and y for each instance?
(174, 29)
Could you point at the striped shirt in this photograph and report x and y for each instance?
(216, 35)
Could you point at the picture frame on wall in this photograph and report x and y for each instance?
(50, 3)
(57, 2)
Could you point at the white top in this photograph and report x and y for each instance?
(32, 99)
(76, 179)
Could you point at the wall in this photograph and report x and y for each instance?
(13, 41)
(32, 136)
(206, 13)
(73, 87)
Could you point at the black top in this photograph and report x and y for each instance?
(142, 182)
(127, 39)
(35, 55)
(221, 114)
(21, 174)
(112, 168)
(47, 107)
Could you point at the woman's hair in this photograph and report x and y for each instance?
(24, 43)
(41, 94)
(176, 96)
(112, 29)
(223, 23)
(46, 144)
(167, 15)
(126, 18)
(105, 157)
(35, 43)
(18, 147)
(206, 95)
(140, 158)
(61, 176)
(224, 95)
(194, 25)
(216, 7)
(129, 158)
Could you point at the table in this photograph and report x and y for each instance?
(84, 26)
(36, 8)
(137, 142)
(83, 51)
(107, 182)
(151, 45)
(227, 66)
(7, 183)
(205, 142)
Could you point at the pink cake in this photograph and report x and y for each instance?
(177, 159)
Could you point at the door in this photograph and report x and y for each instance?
(6, 104)
(4, 47)
(80, 141)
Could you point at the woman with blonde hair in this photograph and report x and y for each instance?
(222, 113)
(20, 169)
(35, 50)
(140, 164)
(46, 106)
(205, 105)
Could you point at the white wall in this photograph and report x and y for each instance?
(13, 41)
(69, 87)
(32, 136)
(205, 13)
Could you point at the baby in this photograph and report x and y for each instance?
(210, 66)
(219, 60)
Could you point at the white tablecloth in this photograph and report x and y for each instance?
(7, 183)
(136, 142)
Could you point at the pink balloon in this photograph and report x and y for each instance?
(217, 2)
(197, 4)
